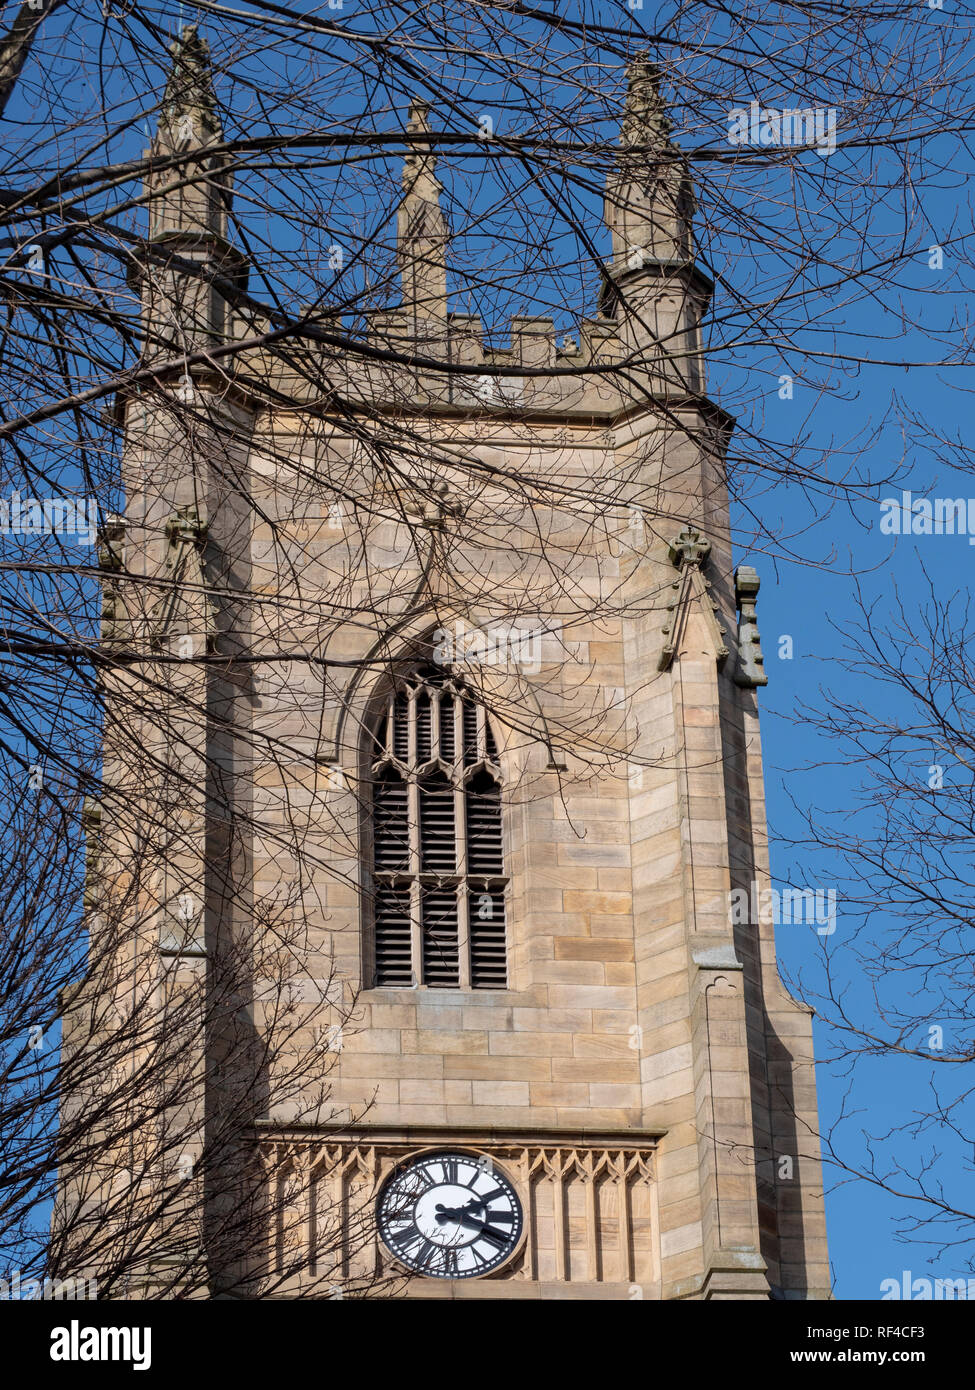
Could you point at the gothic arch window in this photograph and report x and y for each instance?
(437, 855)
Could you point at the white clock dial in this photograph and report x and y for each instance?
(449, 1215)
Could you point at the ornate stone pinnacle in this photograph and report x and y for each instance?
(110, 538)
(421, 228)
(645, 119)
(189, 105)
(750, 670)
(419, 177)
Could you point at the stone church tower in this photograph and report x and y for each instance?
(509, 798)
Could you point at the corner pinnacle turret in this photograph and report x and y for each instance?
(649, 201)
(188, 263)
(652, 287)
(190, 197)
(189, 108)
(421, 228)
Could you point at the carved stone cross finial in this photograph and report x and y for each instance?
(185, 527)
(691, 547)
(689, 551)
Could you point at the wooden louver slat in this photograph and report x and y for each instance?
(483, 802)
(470, 733)
(394, 965)
(451, 875)
(424, 744)
(438, 853)
(401, 728)
(391, 839)
(441, 957)
(489, 967)
(447, 736)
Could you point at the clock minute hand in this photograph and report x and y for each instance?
(461, 1214)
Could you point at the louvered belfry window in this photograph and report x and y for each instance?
(438, 864)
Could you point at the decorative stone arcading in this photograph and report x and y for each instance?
(186, 608)
(589, 1207)
(185, 527)
(91, 824)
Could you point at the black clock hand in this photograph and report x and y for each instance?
(476, 1223)
(445, 1214)
(480, 1225)
(461, 1214)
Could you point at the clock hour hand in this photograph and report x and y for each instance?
(476, 1223)
(461, 1214)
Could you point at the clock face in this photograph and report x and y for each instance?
(449, 1215)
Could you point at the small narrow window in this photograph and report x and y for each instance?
(437, 851)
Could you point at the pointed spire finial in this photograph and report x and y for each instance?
(419, 166)
(645, 118)
(189, 194)
(192, 196)
(421, 228)
(189, 110)
(649, 198)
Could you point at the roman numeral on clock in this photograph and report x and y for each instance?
(425, 1251)
(405, 1240)
(494, 1194)
(414, 1245)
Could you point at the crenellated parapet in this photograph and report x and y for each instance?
(643, 342)
(648, 319)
